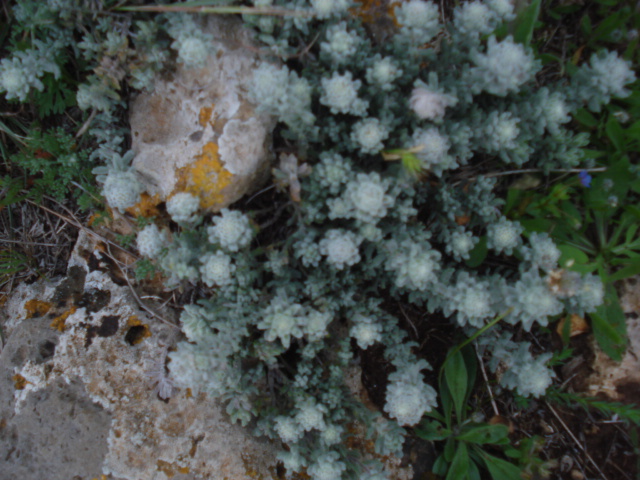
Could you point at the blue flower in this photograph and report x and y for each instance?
(585, 179)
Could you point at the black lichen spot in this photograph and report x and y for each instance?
(136, 334)
(94, 300)
(104, 263)
(71, 288)
(107, 328)
(196, 136)
(46, 351)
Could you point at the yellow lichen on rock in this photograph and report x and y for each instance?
(36, 308)
(147, 206)
(205, 178)
(58, 322)
(205, 115)
(136, 331)
(19, 382)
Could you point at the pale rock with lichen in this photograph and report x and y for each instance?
(197, 132)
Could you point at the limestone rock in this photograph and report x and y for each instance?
(198, 133)
(79, 373)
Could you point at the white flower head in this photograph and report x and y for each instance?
(504, 235)
(327, 8)
(288, 429)
(192, 51)
(432, 148)
(474, 18)
(122, 190)
(310, 415)
(341, 44)
(217, 269)
(430, 105)
(183, 207)
(231, 230)
(504, 67)
(383, 73)
(151, 241)
(418, 19)
(340, 94)
(341, 248)
(366, 331)
(369, 134)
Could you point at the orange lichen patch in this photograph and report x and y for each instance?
(577, 326)
(188, 393)
(36, 308)
(205, 115)
(19, 382)
(136, 331)
(370, 11)
(146, 207)
(170, 469)
(58, 322)
(102, 477)
(205, 178)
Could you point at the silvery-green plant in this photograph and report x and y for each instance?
(365, 229)
(281, 323)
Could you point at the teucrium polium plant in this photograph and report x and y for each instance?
(366, 230)
(282, 323)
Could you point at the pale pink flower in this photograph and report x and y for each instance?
(429, 105)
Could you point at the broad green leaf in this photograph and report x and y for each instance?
(455, 374)
(478, 254)
(525, 23)
(607, 26)
(586, 118)
(537, 225)
(501, 469)
(449, 449)
(609, 325)
(633, 268)
(585, 25)
(571, 255)
(474, 472)
(482, 434)
(440, 466)
(432, 431)
(615, 133)
(459, 468)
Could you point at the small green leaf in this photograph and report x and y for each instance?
(615, 133)
(585, 117)
(500, 469)
(585, 25)
(609, 325)
(482, 434)
(459, 468)
(526, 22)
(440, 466)
(631, 269)
(607, 26)
(478, 254)
(449, 449)
(571, 255)
(432, 431)
(455, 374)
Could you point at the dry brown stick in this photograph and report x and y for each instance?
(576, 441)
(409, 320)
(486, 382)
(136, 296)
(78, 225)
